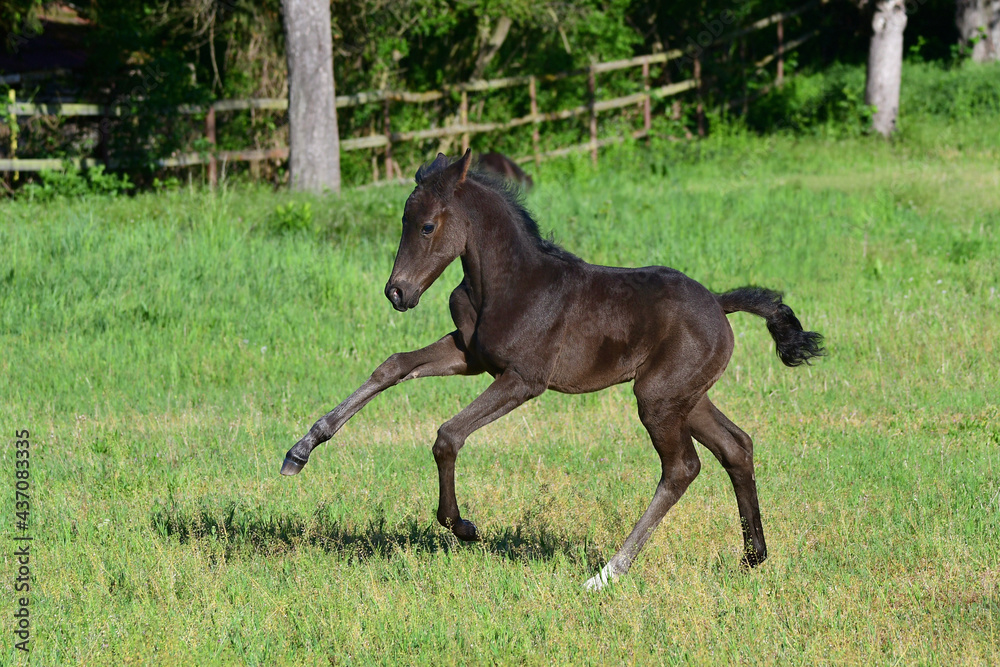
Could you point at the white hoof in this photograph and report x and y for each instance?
(602, 579)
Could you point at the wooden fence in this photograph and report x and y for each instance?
(463, 128)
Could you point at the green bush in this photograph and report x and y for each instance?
(831, 102)
(290, 218)
(72, 182)
(967, 90)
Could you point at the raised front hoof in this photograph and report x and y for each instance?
(465, 531)
(292, 465)
(753, 558)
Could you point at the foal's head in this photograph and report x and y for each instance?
(433, 235)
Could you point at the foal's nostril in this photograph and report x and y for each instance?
(395, 295)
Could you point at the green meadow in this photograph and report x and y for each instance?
(165, 350)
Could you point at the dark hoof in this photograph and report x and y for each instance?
(465, 531)
(292, 465)
(753, 558)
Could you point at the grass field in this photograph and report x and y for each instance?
(165, 350)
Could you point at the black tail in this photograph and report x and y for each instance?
(795, 346)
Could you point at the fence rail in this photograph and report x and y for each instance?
(462, 127)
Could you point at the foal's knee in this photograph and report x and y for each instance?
(446, 445)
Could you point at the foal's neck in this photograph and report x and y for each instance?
(499, 251)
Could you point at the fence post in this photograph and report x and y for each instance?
(532, 93)
(387, 128)
(592, 88)
(213, 176)
(463, 116)
(103, 128)
(371, 133)
(254, 164)
(780, 79)
(647, 121)
(14, 129)
(700, 108)
(745, 107)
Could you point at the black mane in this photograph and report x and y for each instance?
(510, 192)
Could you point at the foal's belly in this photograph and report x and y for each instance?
(599, 377)
(592, 360)
(605, 341)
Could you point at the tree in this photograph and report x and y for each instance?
(313, 142)
(978, 22)
(18, 22)
(885, 64)
(491, 46)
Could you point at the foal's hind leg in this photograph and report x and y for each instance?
(666, 422)
(734, 449)
(445, 357)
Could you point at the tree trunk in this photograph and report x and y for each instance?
(885, 64)
(313, 142)
(980, 19)
(491, 47)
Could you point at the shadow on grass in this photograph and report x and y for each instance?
(239, 529)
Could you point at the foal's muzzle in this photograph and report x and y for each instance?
(402, 295)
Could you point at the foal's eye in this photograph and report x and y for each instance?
(427, 229)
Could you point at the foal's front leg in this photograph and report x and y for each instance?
(508, 391)
(445, 357)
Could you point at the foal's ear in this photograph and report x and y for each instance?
(465, 161)
(455, 174)
(440, 163)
